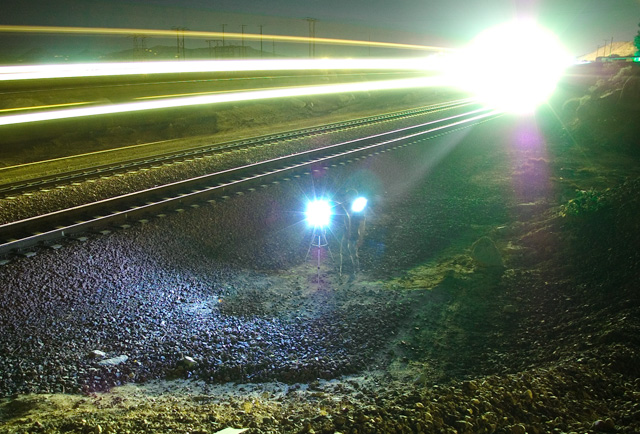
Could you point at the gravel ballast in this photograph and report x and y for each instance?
(213, 317)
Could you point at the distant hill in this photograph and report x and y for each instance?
(86, 56)
(164, 52)
(42, 55)
(157, 52)
(621, 49)
(38, 55)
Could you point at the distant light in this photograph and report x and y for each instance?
(359, 204)
(318, 213)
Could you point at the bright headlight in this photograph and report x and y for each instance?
(513, 67)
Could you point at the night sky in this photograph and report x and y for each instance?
(581, 25)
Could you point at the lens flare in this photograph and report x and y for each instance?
(359, 204)
(513, 67)
(318, 213)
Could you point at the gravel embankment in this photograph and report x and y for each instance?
(133, 294)
(436, 343)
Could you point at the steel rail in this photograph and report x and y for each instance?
(64, 178)
(24, 234)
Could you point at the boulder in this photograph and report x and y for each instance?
(629, 98)
(114, 360)
(486, 254)
(97, 354)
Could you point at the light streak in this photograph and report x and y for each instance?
(31, 72)
(175, 95)
(210, 35)
(43, 106)
(220, 98)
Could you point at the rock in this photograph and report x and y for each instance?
(97, 354)
(630, 94)
(339, 421)
(346, 98)
(422, 379)
(606, 425)
(187, 362)
(299, 104)
(469, 386)
(486, 254)
(462, 426)
(114, 360)
(518, 429)
(509, 308)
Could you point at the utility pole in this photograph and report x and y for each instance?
(273, 47)
(611, 46)
(223, 26)
(261, 40)
(180, 41)
(216, 49)
(312, 36)
(243, 50)
(139, 45)
(177, 41)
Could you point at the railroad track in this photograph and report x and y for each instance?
(22, 237)
(8, 190)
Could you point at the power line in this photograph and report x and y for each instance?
(139, 45)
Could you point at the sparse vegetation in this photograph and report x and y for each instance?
(585, 203)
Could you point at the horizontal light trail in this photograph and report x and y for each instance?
(177, 95)
(221, 98)
(459, 102)
(209, 35)
(39, 107)
(31, 72)
(213, 92)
